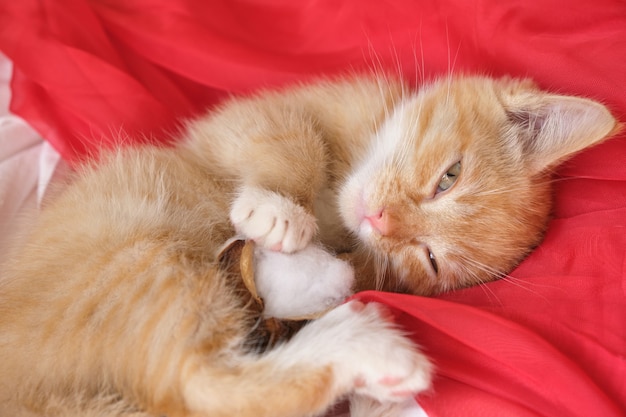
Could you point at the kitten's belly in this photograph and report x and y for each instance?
(332, 232)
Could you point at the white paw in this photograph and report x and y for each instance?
(371, 357)
(361, 406)
(272, 220)
(303, 283)
(384, 364)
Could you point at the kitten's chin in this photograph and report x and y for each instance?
(366, 233)
(361, 227)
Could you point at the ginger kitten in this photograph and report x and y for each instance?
(115, 305)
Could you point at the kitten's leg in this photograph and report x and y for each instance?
(352, 349)
(274, 150)
(270, 142)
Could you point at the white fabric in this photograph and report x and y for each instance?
(27, 164)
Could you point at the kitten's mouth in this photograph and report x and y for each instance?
(365, 231)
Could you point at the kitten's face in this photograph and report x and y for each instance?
(454, 191)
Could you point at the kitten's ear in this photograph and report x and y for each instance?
(553, 128)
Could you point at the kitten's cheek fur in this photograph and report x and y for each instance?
(351, 206)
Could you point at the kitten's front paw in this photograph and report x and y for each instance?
(272, 220)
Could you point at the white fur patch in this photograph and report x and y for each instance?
(390, 137)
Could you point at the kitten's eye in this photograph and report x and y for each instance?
(433, 261)
(449, 178)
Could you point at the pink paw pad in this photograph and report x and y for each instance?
(403, 394)
(390, 380)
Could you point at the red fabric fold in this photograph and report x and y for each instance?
(550, 340)
(483, 359)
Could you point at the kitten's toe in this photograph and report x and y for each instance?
(272, 220)
(361, 406)
(299, 233)
(274, 238)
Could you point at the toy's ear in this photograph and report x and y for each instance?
(552, 128)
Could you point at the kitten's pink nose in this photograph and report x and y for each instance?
(379, 222)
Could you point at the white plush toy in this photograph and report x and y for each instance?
(301, 284)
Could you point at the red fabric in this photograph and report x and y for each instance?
(549, 342)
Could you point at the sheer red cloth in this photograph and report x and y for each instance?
(550, 340)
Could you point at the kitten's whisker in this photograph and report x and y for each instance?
(481, 281)
(509, 188)
(421, 70)
(456, 56)
(449, 80)
(522, 284)
(417, 69)
(490, 272)
(398, 62)
(489, 292)
(381, 77)
(374, 58)
(384, 88)
(382, 265)
(499, 191)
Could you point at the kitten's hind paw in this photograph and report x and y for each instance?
(272, 220)
(373, 355)
(361, 406)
